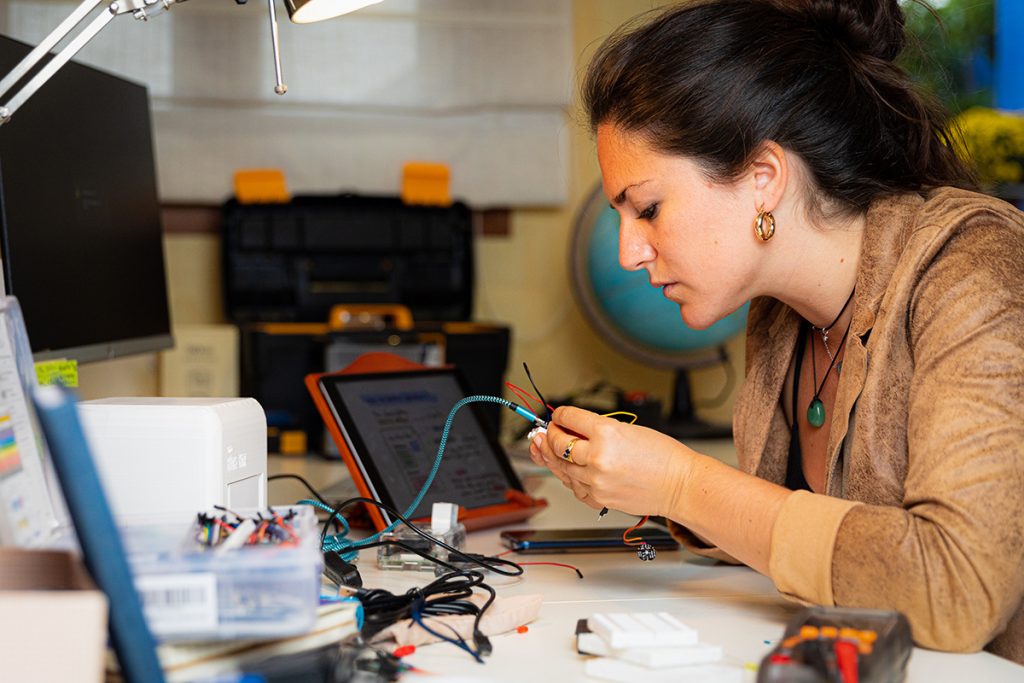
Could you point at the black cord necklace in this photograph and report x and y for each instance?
(823, 331)
(816, 409)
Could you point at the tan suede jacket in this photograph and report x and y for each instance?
(924, 508)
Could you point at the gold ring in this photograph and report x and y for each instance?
(567, 453)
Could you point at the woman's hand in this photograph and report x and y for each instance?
(613, 464)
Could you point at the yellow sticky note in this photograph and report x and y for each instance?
(61, 371)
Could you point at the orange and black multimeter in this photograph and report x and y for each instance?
(847, 645)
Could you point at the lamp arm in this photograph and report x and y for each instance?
(141, 9)
(280, 88)
(33, 57)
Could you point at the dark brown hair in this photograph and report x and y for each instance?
(713, 80)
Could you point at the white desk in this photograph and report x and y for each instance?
(734, 607)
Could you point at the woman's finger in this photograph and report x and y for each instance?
(572, 451)
(576, 420)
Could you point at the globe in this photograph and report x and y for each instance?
(638, 320)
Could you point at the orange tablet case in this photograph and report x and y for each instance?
(518, 506)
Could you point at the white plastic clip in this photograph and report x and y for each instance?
(443, 516)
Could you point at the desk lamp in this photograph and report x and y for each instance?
(299, 11)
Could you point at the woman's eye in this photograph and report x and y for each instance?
(649, 213)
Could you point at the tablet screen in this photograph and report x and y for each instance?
(392, 423)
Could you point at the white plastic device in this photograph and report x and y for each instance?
(641, 629)
(608, 669)
(171, 457)
(650, 646)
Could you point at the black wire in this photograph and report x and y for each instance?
(312, 489)
(447, 595)
(486, 562)
(399, 609)
(547, 411)
(316, 494)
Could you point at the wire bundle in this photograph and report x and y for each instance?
(445, 596)
(271, 529)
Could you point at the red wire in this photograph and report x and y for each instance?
(553, 564)
(637, 540)
(524, 396)
(229, 528)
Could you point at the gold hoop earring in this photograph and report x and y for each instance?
(764, 225)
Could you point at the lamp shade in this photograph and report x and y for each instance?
(309, 11)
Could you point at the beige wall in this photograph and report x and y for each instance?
(523, 279)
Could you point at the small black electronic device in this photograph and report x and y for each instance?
(583, 540)
(825, 644)
(340, 572)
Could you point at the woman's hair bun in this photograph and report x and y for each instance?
(872, 27)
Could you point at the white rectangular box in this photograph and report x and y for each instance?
(172, 457)
(203, 362)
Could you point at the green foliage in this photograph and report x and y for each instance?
(994, 142)
(943, 51)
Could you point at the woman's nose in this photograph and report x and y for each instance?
(634, 248)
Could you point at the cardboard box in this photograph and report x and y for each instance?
(54, 625)
(203, 363)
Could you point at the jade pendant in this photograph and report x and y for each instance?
(816, 413)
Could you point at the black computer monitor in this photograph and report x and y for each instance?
(81, 242)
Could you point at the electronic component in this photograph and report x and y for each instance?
(609, 669)
(641, 629)
(650, 647)
(825, 644)
(658, 657)
(340, 572)
(404, 556)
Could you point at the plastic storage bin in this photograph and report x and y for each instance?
(190, 591)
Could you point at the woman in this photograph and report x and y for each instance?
(773, 152)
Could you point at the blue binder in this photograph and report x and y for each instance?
(102, 550)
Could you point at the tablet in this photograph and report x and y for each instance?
(388, 425)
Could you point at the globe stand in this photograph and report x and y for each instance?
(682, 422)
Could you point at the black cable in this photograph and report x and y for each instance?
(490, 563)
(453, 600)
(316, 494)
(544, 403)
(487, 562)
(310, 487)
(484, 561)
(447, 595)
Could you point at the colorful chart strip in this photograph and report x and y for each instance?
(10, 458)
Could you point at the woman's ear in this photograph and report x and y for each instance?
(769, 173)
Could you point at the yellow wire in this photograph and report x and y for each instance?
(636, 540)
(632, 417)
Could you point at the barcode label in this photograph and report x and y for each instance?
(178, 604)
